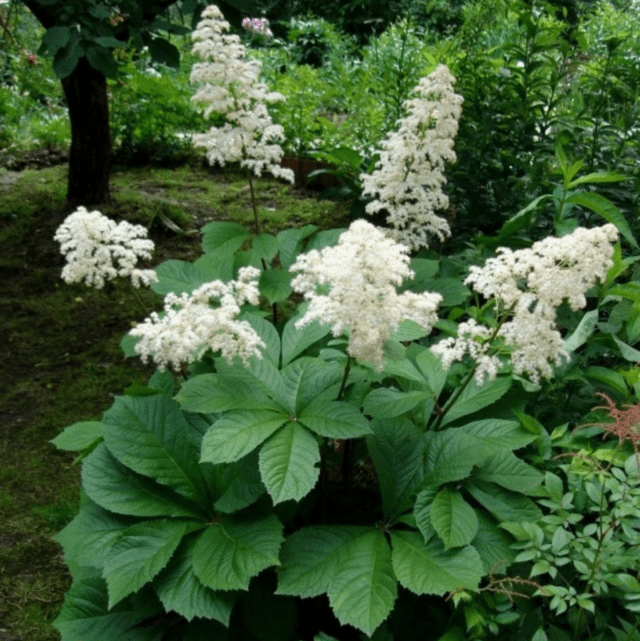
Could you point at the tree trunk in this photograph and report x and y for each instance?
(90, 153)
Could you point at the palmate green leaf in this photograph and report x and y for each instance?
(223, 237)
(384, 402)
(497, 434)
(181, 591)
(422, 512)
(431, 367)
(288, 463)
(450, 456)
(238, 433)
(86, 614)
(88, 537)
(151, 436)
(290, 243)
(240, 485)
(232, 550)
(310, 558)
(307, 379)
(118, 489)
(139, 554)
(503, 504)
(180, 277)
(210, 393)
(363, 592)
(334, 419)
(475, 398)
(78, 436)
(505, 469)
(453, 518)
(275, 285)
(295, 341)
(493, 545)
(430, 569)
(397, 449)
(268, 333)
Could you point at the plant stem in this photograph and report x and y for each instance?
(253, 201)
(344, 378)
(135, 293)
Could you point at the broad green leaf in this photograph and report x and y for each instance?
(66, 58)
(263, 246)
(290, 243)
(55, 38)
(86, 614)
(503, 504)
(522, 220)
(268, 333)
(295, 341)
(605, 208)
(450, 456)
(493, 545)
(385, 402)
(364, 590)
(453, 518)
(151, 436)
(267, 374)
(404, 369)
(625, 290)
(334, 419)
(78, 436)
(238, 433)
(181, 277)
(497, 434)
(181, 591)
(606, 376)
(240, 485)
(139, 554)
(210, 393)
(275, 285)
(288, 463)
(582, 332)
(88, 537)
(453, 292)
(308, 379)
(431, 366)
(430, 569)
(505, 469)
(408, 330)
(102, 60)
(475, 398)
(627, 352)
(223, 237)
(118, 489)
(232, 550)
(397, 450)
(310, 558)
(422, 512)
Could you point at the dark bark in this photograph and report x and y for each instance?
(90, 152)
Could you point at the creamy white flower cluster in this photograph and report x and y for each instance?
(98, 249)
(232, 88)
(190, 326)
(409, 175)
(531, 284)
(362, 270)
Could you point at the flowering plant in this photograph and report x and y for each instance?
(342, 450)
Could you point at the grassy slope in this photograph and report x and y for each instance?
(61, 357)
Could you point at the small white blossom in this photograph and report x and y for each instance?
(231, 88)
(257, 25)
(190, 326)
(362, 270)
(409, 175)
(98, 249)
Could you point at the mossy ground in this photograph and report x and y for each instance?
(60, 351)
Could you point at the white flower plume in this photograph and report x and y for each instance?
(409, 175)
(98, 249)
(191, 326)
(231, 88)
(531, 284)
(362, 270)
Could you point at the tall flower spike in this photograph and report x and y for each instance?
(409, 175)
(362, 271)
(98, 249)
(231, 87)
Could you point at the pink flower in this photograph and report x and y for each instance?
(257, 25)
(32, 59)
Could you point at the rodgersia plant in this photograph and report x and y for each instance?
(409, 176)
